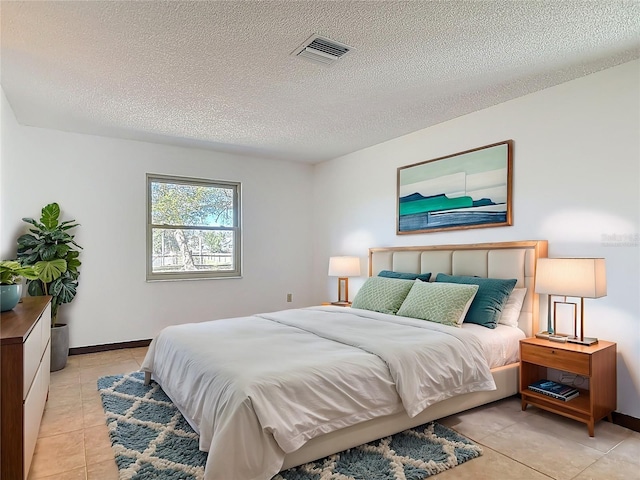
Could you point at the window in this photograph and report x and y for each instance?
(193, 228)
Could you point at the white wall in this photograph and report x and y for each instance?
(101, 183)
(576, 184)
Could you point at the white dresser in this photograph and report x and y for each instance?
(25, 357)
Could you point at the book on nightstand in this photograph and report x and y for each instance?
(554, 389)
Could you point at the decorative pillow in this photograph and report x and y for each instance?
(511, 310)
(405, 276)
(492, 295)
(381, 294)
(445, 303)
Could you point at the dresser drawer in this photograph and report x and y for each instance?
(32, 356)
(45, 322)
(574, 362)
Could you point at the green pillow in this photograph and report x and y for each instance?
(381, 294)
(445, 303)
(405, 276)
(492, 295)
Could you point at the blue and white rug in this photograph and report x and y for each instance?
(152, 440)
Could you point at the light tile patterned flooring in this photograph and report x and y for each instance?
(73, 443)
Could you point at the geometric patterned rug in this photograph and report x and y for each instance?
(152, 440)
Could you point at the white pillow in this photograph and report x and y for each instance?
(511, 310)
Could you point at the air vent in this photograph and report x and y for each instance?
(322, 50)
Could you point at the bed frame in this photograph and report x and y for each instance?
(493, 260)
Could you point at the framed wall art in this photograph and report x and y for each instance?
(470, 189)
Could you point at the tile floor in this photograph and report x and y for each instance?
(73, 443)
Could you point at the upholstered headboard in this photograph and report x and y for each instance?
(491, 260)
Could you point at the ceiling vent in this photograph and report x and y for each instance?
(322, 50)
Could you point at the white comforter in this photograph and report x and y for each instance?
(258, 387)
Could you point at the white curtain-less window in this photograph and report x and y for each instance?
(193, 228)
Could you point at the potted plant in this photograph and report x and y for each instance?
(11, 275)
(52, 251)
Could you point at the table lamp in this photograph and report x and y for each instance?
(571, 277)
(343, 267)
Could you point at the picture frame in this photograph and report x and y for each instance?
(470, 189)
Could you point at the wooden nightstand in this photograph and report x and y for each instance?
(596, 362)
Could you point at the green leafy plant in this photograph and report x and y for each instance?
(12, 272)
(49, 247)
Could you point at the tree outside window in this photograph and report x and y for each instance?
(193, 228)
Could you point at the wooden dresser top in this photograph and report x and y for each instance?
(16, 324)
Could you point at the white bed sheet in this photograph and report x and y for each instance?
(275, 390)
(501, 345)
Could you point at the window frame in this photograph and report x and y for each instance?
(236, 229)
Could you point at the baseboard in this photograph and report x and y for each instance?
(627, 421)
(109, 346)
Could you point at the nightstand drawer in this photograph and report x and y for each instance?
(574, 362)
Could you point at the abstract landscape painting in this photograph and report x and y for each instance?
(470, 189)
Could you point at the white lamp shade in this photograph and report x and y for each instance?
(344, 266)
(571, 277)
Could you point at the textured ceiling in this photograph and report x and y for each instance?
(219, 74)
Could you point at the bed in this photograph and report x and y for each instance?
(297, 385)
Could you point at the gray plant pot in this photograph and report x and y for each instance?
(59, 346)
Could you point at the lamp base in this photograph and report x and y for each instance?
(546, 334)
(585, 341)
(341, 304)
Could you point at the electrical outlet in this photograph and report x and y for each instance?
(289, 297)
